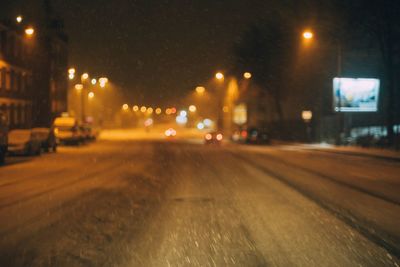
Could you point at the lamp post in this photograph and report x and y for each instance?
(308, 36)
(306, 115)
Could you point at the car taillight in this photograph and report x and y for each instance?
(219, 137)
(208, 136)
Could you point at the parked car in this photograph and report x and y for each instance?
(24, 142)
(88, 132)
(256, 136)
(3, 137)
(213, 138)
(67, 130)
(47, 138)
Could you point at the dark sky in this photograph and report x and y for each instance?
(155, 50)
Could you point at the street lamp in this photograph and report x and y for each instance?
(78, 87)
(85, 76)
(158, 111)
(90, 95)
(29, 31)
(135, 108)
(307, 34)
(125, 107)
(18, 19)
(219, 76)
(192, 108)
(200, 90)
(247, 75)
(93, 81)
(306, 115)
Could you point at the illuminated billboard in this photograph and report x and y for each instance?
(240, 114)
(355, 95)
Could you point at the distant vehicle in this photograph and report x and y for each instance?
(24, 142)
(256, 136)
(213, 138)
(171, 132)
(67, 130)
(47, 138)
(239, 136)
(3, 137)
(88, 132)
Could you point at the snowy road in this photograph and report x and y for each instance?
(166, 203)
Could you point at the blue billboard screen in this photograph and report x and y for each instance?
(355, 95)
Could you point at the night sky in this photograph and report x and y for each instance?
(154, 50)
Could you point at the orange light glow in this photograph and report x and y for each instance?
(78, 86)
(192, 108)
(29, 31)
(200, 90)
(247, 75)
(308, 35)
(219, 76)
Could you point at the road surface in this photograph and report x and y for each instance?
(177, 203)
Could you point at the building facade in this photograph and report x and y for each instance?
(16, 77)
(33, 70)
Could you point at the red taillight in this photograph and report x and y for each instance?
(244, 134)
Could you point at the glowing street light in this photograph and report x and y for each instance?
(103, 80)
(71, 76)
(125, 107)
(219, 76)
(306, 115)
(29, 31)
(200, 126)
(85, 76)
(94, 81)
(150, 110)
(192, 108)
(78, 86)
(247, 75)
(135, 108)
(90, 95)
(200, 90)
(71, 70)
(19, 19)
(158, 111)
(308, 35)
(143, 109)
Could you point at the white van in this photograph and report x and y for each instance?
(67, 130)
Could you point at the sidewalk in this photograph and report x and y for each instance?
(348, 150)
